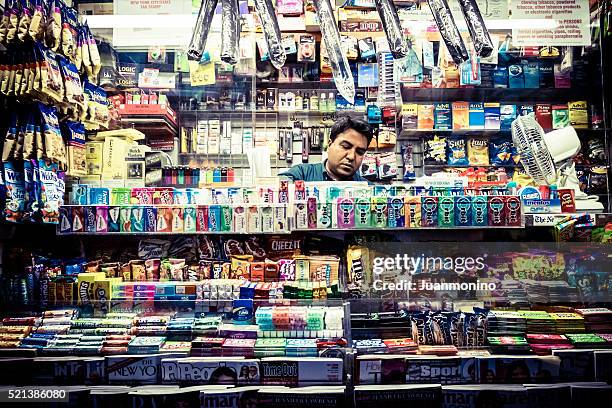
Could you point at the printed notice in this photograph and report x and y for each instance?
(571, 16)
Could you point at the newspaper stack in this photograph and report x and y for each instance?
(597, 320)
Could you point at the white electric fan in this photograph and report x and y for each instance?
(547, 157)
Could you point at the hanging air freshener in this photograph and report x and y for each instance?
(393, 29)
(476, 26)
(269, 24)
(202, 27)
(448, 30)
(230, 23)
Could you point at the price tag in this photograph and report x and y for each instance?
(201, 74)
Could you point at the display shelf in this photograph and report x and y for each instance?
(519, 95)
(491, 132)
(302, 85)
(550, 220)
(486, 166)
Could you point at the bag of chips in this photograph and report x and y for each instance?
(456, 153)
(435, 150)
(478, 152)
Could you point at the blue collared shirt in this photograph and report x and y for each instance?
(314, 172)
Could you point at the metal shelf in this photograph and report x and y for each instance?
(520, 95)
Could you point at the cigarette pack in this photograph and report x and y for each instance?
(410, 115)
(507, 114)
(562, 79)
(543, 114)
(425, 120)
(531, 71)
(560, 116)
(492, 115)
(443, 117)
(461, 115)
(477, 115)
(500, 77)
(578, 115)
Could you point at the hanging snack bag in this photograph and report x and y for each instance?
(51, 194)
(10, 140)
(55, 150)
(5, 20)
(408, 161)
(85, 60)
(73, 90)
(8, 75)
(29, 140)
(94, 57)
(69, 33)
(97, 114)
(30, 190)
(54, 26)
(15, 192)
(23, 28)
(51, 76)
(13, 22)
(36, 30)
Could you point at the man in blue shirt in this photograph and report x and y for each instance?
(348, 142)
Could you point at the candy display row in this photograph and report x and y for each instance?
(64, 333)
(344, 213)
(283, 193)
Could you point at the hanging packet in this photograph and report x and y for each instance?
(85, 60)
(25, 20)
(15, 192)
(53, 31)
(13, 22)
(94, 57)
(29, 140)
(52, 86)
(5, 20)
(69, 33)
(10, 140)
(50, 195)
(36, 30)
(55, 150)
(30, 198)
(73, 94)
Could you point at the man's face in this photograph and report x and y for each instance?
(345, 153)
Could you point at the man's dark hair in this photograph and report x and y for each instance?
(345, 123)
(223, 371)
